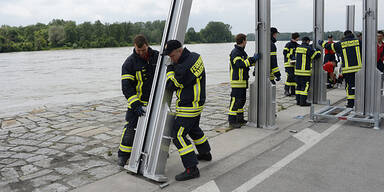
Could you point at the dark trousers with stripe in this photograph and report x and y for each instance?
(236, 108)
(290, 84)
(350, 88)
(189, 126)
(128, 135)
(302, 89)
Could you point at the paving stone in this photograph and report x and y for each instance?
(85, 165)
(74, 140)
(47, 151)
(9, 173)
(45, 144)
(102, 136)
(56, 187)
(36, 158)
(75, 148)
(37, 174)
(47, 179)
(24, 149)
(6, 154)
(98, 151)
(59, 146)
(28, 169)
(9, 123)
(93, 132)
(56, 138)
(78, 158)
(102, 172)
(79, 130)
(22, 155)
(24, 142)
(45, 163)
(17, 163)
(62, 125)
(65, 170)
(17, 130)
(7, 161)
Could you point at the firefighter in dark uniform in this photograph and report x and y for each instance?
(239, 65)
(275, 71)
(136, 78)
(289, 64)
(186, 76)
(329, 56)
(305, 54)
(350, 49)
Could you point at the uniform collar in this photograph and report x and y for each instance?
(273, 39)
(150, 52)
(184, 55)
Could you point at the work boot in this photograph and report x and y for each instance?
(350, 103)
(297, 99)
(303, 101)
(235, 125)
(293, 91)
(204, 157)
(286, 91)
(122, 161)
(240, 119)
(189, 173)
(305, 104)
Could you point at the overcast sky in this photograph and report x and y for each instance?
(287, 15)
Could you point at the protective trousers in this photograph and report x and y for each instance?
(302, 89)
(236, 107)
(350, 88)
(189, 126)
(290, 84)
(128, 134)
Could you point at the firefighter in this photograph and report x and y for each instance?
(289, 64)
(305, 54)
(329, 55)
(239, 65)
(137, 76)
(186, 76)
(350, 49)
(275, 71)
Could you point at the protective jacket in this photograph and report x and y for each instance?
(137, 77)
(239, 64)
(275, 71)
(289, 53)
(305, 54)
(187, 77)
(350, 49)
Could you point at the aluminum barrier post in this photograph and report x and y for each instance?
(318, 89)
(152, 139)
(368, 79)
(350, 24)
(262, 107)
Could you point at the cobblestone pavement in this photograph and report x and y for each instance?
(65, 147)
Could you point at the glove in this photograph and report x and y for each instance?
(320, 42)
(139, 111)
(253, 59)
(278, 78)
(256, 56)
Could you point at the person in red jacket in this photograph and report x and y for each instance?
(380, 50)
(329, 55)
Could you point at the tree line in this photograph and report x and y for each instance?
(61, 34)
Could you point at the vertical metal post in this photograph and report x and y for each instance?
(152, 139)
(350, 24)
(262, 107)
(318, 91)
(368, 81)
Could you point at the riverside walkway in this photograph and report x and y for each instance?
(65, 147)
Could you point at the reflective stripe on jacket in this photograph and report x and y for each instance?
(289, 53)
(239, 67)
(305, 54)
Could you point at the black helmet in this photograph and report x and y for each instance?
(274, 30)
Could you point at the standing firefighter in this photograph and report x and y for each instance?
(239, 64)
(305, 54)
(350, 49)
(186, 76)
(289, 64)
(137, 76)
(275, 71)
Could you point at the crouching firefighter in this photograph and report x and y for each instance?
(137, 76)
(305, 54)
(186, 76)
(350, 49)
(239, 65)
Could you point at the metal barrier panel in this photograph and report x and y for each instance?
(368, 79)
(262, 108)
(318, 90)
(350, 24)
(152, 137)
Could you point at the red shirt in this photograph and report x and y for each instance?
(380, 50)
(326, 51)
(328, 67)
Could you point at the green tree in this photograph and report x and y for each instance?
(217, 32)
(56, 35)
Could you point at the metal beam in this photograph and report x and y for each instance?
(152, 139)
(318, 90)
(350, 24)
(368, 79)
(262, 107)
